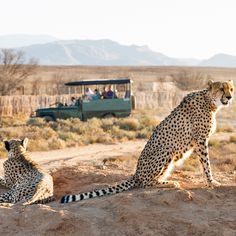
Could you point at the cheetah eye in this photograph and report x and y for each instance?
(221, 89)
(231, 89)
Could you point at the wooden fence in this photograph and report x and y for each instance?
(12, 105)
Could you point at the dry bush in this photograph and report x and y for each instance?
(56, 143)
(73, 132)
(232, 138)
(10, 121)
(40, 122)
(191, 164)
(188, 81)
(128, 124)
(143, 133)
(68, 136)
(38, 145)
(214, 143)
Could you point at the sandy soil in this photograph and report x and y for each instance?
(192, 210)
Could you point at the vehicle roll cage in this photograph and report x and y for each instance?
(127, 82)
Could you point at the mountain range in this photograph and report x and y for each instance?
(52, 51)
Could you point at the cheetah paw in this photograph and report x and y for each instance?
(176, 184)
(214, 183)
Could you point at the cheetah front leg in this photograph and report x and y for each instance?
(202, 151)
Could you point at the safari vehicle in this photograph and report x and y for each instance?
(119, 104)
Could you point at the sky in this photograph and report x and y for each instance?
(177, 28)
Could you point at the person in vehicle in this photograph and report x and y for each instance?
(73, 101)
(96, 95)
(89, 94)
(115, 94)
(110, 93)
(104, 93)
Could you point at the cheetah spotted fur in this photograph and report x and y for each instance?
(27, 182)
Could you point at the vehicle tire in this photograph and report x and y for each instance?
(48, 118)
(108, 115)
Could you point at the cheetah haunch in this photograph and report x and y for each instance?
(186, 130)
(28, 183)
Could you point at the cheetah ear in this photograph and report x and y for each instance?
(210, 82)
(231, 82)
(7, 145)
(24, 142)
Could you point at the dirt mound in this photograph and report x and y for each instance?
(192, 210)
(70, 180)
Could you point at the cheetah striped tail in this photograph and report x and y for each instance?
(126, 185)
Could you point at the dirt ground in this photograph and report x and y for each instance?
(193, 209)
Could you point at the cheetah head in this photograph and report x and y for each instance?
(15, 146)
(221, 93)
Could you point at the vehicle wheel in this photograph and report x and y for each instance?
(108, 115)
(48, 118)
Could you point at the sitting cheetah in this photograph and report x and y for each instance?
(28, 183)
(186, 130)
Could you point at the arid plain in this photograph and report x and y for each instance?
(82, 161)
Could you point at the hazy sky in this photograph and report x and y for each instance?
(177, 28)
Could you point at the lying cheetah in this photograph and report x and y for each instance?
(186, 130)
(27, 182)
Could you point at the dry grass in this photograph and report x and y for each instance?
(225, 128)
(229, 113)
(10, 121)
(232, 138)
(73, 132)
(222, 156)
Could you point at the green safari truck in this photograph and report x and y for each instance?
(116, 100)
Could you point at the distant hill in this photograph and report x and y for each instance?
(220, 60)
(52, 51)
(99, 52)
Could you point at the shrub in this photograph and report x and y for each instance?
(13, 121)
(128, 124)
(68, 136)
(73, 132)
(39, 122)
(38, 145)
(143, 134)
(147, 121)
(214, 143)
(232, 139)
(56, 144)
